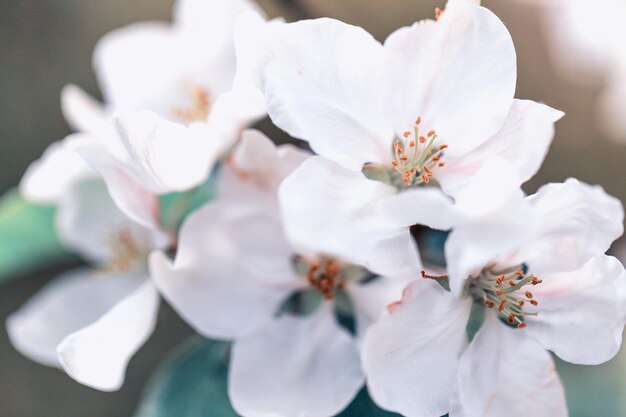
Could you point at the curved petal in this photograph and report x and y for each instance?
(231, 273)
(582, 313)
(457, 73)
(70, 302)
(494, 223)
(323, 83)
(425, 206)
(255, 170)
(309, 368)
(577, 222)
(47, 179)
(166, 156)
(411, 355)
(132, 197)
(90, 223)
(98, 354)
(504, 373)
(335, 211)
(523, 142)
(81, 111)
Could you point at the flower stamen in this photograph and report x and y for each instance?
(199, 109)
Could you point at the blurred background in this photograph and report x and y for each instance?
(47, 44)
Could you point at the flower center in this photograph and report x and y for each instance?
(126, 252)
(414, 161)
(416, 156)
(505, 291)
(200, 108)
(324, 276)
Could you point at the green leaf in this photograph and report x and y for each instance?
(192, 383)
(363, 406)
(27, 235)
(476, 320)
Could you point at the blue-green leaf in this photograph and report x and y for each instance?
(27, 236)
(192, 383)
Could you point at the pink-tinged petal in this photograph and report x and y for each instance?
(47, 179)
(255, 170)
(457, 73)
(81, 111)
(98, 354)
(89, 222)
(132, 197)
(335, 211)
(494, 223)
(577, 221)
(582, 313)
(505, 373)
(411, 355)
(231, 273)
(323, 83)
(67, 304)
(295, 367)
(523, 142)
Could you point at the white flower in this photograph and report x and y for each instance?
(540, 275)
(177, 108)
(90, 321)
(587, 41)
(431, 105)
(237, 277)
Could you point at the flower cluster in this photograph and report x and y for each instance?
(308, 261)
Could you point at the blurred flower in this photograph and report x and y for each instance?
(90, 321)
(450, 82)
(236, 276)
(540, 278)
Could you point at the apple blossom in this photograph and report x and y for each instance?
(427, 107)
(539, 276)
(236, 276)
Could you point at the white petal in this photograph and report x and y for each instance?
(425, 206)
(336, 211)
(372, 298)
(48, 178)
(132, 197)
(295, 367)
(89, 222)
(495, 222)
(82, 112)
(68, 303)
(166, 156)
(255, 170)
(98, 354)
(323, 83)
(523, 142)
(577, 221)
(214, 18)
(458, 74)
(504, 373)
(582, 313)
(232, 271)
(411, 355)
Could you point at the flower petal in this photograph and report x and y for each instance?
(82, 112)
(335, 211)
(323, 83)
(425, 206)
(295, 367)
(48, 178)
(577, 222)
(504, 373)
(582, 313)
(411, 355)
(70, 302)
(523, 141)
(231, 273)
(457, 73)
(98, 354)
